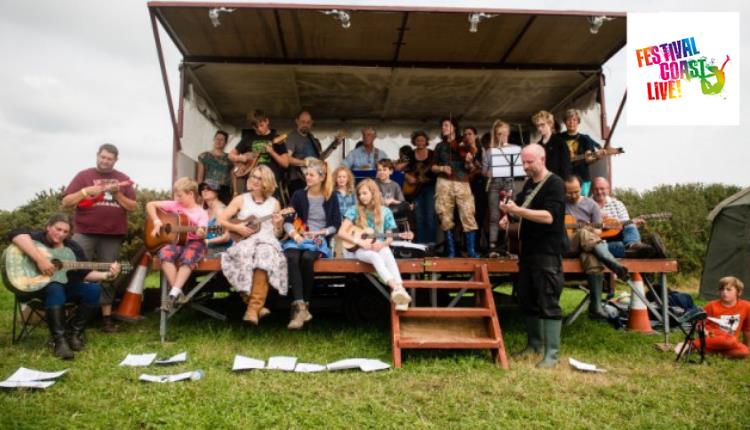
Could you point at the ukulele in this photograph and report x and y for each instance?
(254, 222)
(243, 168)
(92, 200)
(367, 234)
(21, 274)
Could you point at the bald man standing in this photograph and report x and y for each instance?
(541, 208)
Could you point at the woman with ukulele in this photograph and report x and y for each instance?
(369, 213)
(419, 187)
(216, 242)
(256, 261)
(318, 217)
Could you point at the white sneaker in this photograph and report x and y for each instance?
(400, 298)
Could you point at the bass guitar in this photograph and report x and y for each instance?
(243, 168)
(21, 275)
(358, 234)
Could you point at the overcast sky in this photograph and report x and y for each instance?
(76, 74)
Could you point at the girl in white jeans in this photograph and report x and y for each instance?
(369, 213)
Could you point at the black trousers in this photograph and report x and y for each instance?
(539, 285)
(301, 274)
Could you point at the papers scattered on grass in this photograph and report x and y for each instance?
(309, 368)
(30, 378)
(246, 363)
(193, 376)
(584, 367)
(290, 364)
(282, 363)
(138, 360)
(364, 364)
(179, 358)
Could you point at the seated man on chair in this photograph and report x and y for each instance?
(585, 240)
(630, 244)
(82, 287)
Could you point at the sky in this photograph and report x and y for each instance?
(77, 74)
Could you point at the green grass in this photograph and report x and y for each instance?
(644, 388)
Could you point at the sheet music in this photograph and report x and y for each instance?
(247, 363)
(27, 375)
(194, 375)
(179, 358)
(138, 360)
(584, 367)
(309, 368)
(27, 384)
(363, 364)
(282, 363)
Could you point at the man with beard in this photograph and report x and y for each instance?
(102, 196)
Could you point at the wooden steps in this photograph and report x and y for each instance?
(475, 327)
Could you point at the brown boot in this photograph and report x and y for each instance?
(257, 296)
(299, 312)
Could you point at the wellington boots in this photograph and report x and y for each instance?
(56, 323)
(601, 250)
(257, 297)
(596, 282)
(299, 312)
(83, 315)
(450, 245)
(471, 244)
(534, 343)
(551, 332)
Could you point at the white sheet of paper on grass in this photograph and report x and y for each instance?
(179, 358)
(26, 384)
(363, 364)
(309, 368)
(26, 375)
(138, 360)
(584, 367)
(246, 363)
(281, 363)
(194, 375)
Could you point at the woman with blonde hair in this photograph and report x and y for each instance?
(318, 218)
(370, 213)
(256, 261)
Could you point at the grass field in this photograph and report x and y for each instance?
(643, 389)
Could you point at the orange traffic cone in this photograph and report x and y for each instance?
(130, 306)
(638, 315)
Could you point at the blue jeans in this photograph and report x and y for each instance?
(630, 234)
(58, 294)
(425, 214)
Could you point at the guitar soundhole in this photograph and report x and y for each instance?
(57, 263)
(168, 228)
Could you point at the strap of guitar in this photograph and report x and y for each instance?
(528, 199)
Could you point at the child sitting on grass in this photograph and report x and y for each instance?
(727, 317)
(185, 202)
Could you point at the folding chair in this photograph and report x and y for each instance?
(28, 314)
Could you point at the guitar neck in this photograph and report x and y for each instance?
(328, 151)
(85, 265)
(191, 228)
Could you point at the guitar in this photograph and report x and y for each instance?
(368, 234)
(92, 200)
(313, 240)
(610, 227)
(254, 222)
(243, 168)
(174, 229)
(604, 152)
(337, 140)
(22, 276)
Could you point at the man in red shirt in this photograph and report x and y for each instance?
(102, 197)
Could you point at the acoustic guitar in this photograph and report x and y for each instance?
(174, 229)
(604, 152)
(367, 234)
(610, 227)
(243, 168)
(21, 275)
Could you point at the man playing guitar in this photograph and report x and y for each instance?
(102, 196)
(303, 145)
(540, 275)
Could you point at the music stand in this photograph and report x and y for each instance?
(697, 320)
